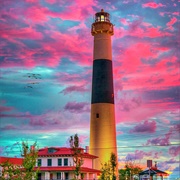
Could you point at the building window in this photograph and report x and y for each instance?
(59, 162)
(49, 162)
(66, 162)
(58, 176)
(97, 115)
(66, 176)
(39, 162)
(39, 176)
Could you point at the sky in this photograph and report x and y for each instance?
(46, 55)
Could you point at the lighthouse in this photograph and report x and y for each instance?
(102, 123)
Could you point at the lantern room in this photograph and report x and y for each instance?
(102, 24)
(102, 16)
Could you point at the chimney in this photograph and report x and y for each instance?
(32, 148)
(149, 163)
(87, 149)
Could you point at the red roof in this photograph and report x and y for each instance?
(12, 160)
(62, 151)
(67, 168)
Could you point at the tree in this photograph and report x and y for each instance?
(30, 157)
(10, 171)
(106, 171)
(26, 170)
(130, 169)
(77, 155)
(109, 168)
(113, 162)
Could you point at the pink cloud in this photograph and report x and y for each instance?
(37, 14)
(129, 103)
(71, 89)
(176, 13)
(54, 50)
(172, 21)
(174, 151)
(50, 53)
(146, 59)
(136, 52)
(137, 114)
(124, 21)
(18, 115)
(72, 43)
(31, 1)
(139, 155)
(37, 122)
(139, 28)
(55, 120)
(77, 10)
(21, 33)
(51, 1)
(46, 120)
(152, 5)
(5, 108)
(153, 32)
(126, 113)
(144, 127)
(162, 141)
(8, 127)
(77, 107)
(169, 13)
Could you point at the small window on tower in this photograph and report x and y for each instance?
(97, 115)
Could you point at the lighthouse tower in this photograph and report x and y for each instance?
(102, 125)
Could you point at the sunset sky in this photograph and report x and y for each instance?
(46, 53)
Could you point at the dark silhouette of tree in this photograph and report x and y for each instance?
(113, 162)
(77, 155)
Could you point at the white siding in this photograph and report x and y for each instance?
(55, 161)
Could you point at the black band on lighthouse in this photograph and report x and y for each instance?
(102, 86)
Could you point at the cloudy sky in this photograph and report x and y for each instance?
(46, 72)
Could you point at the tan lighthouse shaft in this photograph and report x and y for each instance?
(102, 125)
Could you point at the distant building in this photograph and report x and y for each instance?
(57, 163)
(154, 173)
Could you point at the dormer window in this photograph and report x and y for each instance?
(51, 150)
